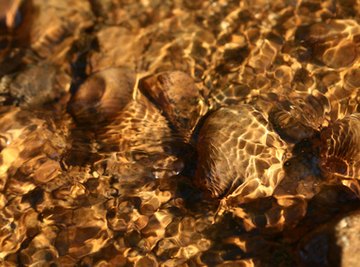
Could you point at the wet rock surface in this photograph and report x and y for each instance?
(179, 133)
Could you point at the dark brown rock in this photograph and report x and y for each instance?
(333, 244)
(178, 97)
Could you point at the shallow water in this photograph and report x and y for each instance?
(85, 182)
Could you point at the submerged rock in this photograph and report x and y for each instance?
(333, 244)
(102, 96)
(238, 154)
(340, 151)
(22, 89)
